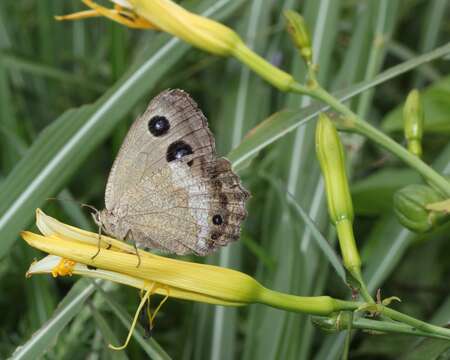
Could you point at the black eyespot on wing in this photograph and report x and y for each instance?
(215, 235)
(217, 219)
(177, 150)
(158, 125)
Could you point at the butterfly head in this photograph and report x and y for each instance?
(104, 219)
(110, 223)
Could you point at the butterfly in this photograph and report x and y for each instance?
(167, 189)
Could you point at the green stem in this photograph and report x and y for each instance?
(356, 273)
(418, 324)
(326, 305)
(353, 123)
(314, 305)
(415, 162)
(348, 338)
(361, 323)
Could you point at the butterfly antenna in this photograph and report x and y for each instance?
(90, 207)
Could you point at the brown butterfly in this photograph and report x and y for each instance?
(168, 189)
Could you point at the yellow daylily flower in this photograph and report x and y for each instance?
(199, 31)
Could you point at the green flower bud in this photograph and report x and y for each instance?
(413, 119)
(299, 33)
(410, 205)
(331, 158)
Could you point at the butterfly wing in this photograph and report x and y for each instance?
(168, 185)
(157, 135)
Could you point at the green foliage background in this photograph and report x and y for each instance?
(106, 74)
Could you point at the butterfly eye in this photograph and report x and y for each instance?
(158, 125)
(177, 150)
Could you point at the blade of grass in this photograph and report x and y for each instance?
(404, 53)
(386, 16)
(432, 23)
(15, 62)
(150, 346)
(108, 335)
(321, 241)
(8, 120)
(45, 336)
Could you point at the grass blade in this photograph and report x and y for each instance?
(45, 336)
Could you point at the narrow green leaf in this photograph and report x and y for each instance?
(108, 335)
(45, 337)
(150, 346)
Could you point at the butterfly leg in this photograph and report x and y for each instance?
(99, 242)
(129, 236)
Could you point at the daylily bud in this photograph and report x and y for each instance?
(413, 122)
(331, 158)
(199, 31)
(299, 33)
(410, 205)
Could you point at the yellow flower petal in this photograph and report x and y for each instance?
(118, 14)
